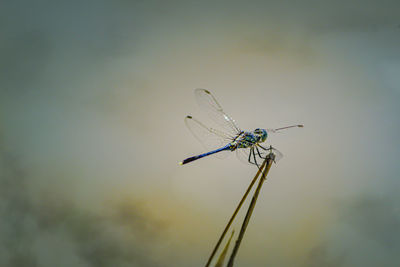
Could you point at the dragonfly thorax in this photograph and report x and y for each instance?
(249, 139)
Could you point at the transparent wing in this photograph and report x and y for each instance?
(278, 154)
(210, 138)
(273, 132)
(280, 130)
(210, 105)
(243, 154)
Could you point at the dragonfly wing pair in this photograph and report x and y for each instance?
(210, 138)
(213, 138)
(214, 110)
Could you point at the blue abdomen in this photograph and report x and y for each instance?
(227, 147)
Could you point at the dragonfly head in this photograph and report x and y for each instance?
(261, 133)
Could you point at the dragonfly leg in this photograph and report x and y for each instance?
(259, 154)
(262, 147)
(250, 158)
(266, 149)
(254, 156)
(270, 149)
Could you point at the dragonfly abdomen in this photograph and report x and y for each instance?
(227, 147)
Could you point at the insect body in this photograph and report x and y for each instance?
(246, 144)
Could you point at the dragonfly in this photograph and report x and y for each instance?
(248, 145)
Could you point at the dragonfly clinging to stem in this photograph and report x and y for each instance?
(230, 138)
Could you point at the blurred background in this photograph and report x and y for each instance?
(92, 100)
